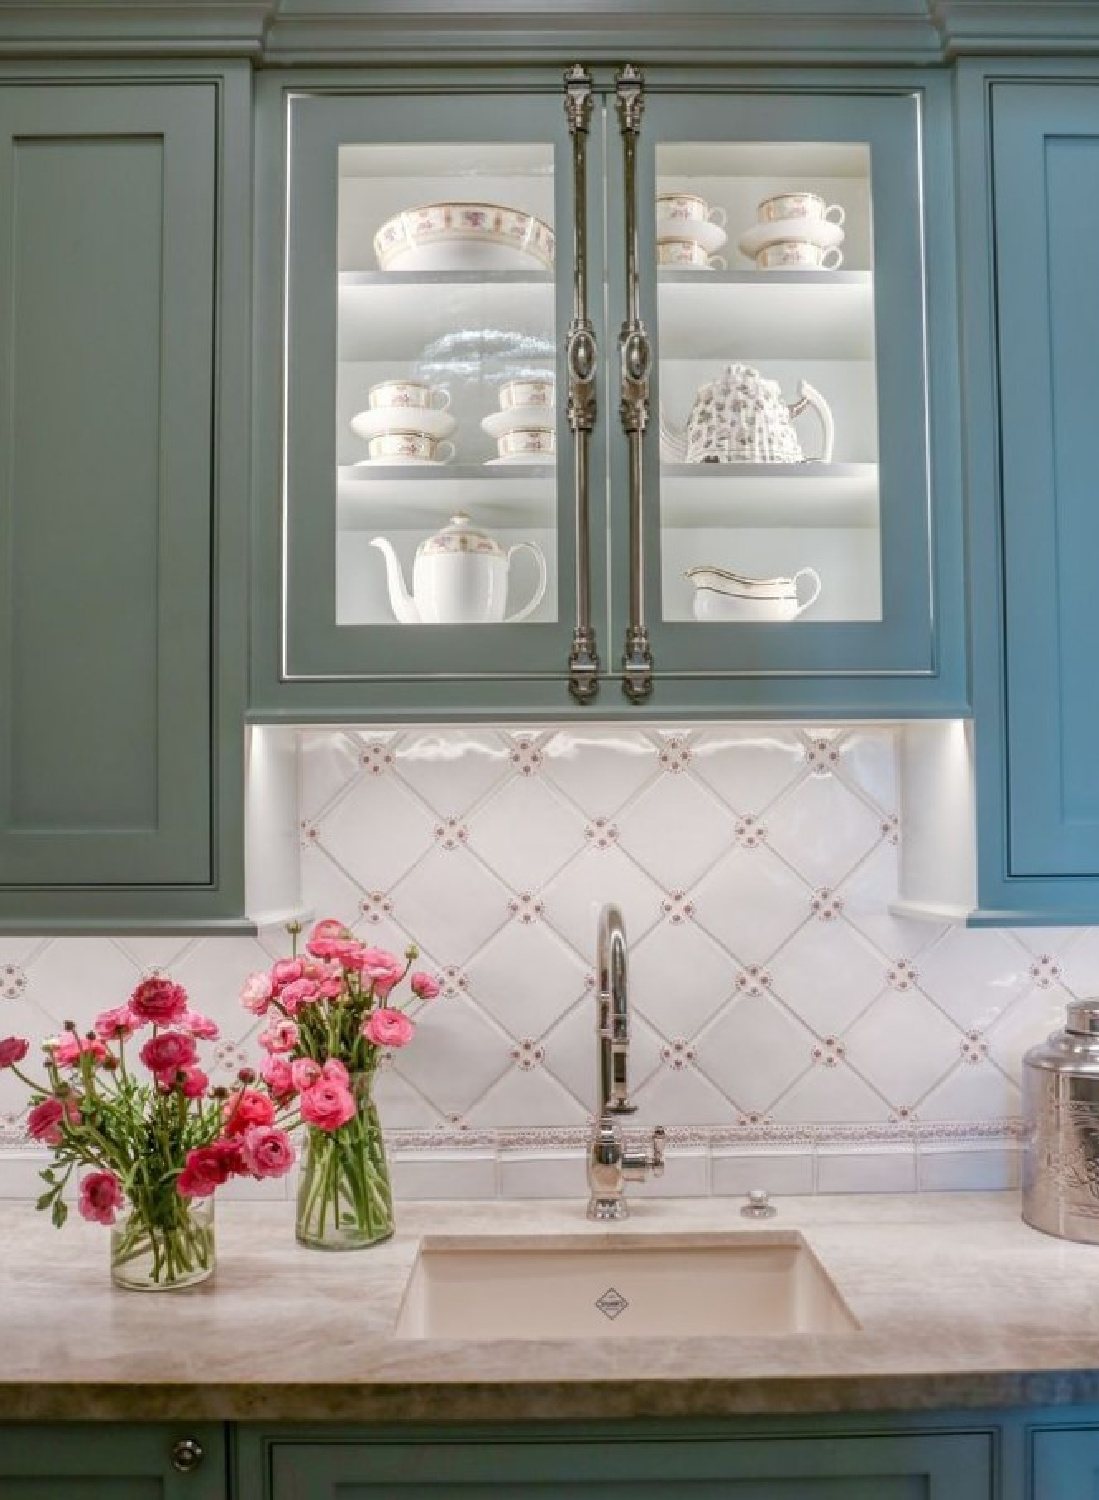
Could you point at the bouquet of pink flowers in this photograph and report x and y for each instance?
(152, 1143)
(332, 1013)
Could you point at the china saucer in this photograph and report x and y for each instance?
(382, 419)
(820, 232)
(710, 236)
(519, 419)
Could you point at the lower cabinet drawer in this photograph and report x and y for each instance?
(879, 1466)
(113, 1461)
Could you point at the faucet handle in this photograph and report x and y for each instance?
(659, 1137)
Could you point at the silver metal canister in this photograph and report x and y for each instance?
(1061, 1122)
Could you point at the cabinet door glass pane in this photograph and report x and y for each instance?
(769, 504)
(446, 417)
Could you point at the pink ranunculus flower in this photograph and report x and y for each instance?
(194, 1083)
(328, 927)
(327, 1105)
(388, 1028)
(424, 986)
(247, 1107)
(202, 1027)
(68, 1048)
(329, 987)
(305, 1072)
(13, 1049)
(100, 1197)
(114, 1025)
(158, 1001)
(204, 1170)
(256, 992)
(382, 969)
(335, 1072)
(285, 970)
(169, 1052)
(276, 1074)
(44, 1122)
(297, 993)
(267, 1151)
(281, 1036)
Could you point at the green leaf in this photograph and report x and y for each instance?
(60, 1213)
(45, 1200)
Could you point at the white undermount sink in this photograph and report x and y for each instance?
(621, 1287)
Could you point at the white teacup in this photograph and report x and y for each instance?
(799, 254)
(688, 206)
(409, 395)
(799, 206)
(524, 440)
(395, 447)
(687, 253)
(530, 392)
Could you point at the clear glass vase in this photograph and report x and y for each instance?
(345, 1201)
(164, 1249)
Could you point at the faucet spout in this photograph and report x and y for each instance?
(610, 1163)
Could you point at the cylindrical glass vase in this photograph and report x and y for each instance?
(165, 1251)
(345, 1201)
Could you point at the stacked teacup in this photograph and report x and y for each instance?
(407, 423)
(795, 232)
(689, 233)
(523, 428)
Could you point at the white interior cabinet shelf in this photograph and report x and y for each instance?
(774, 314)
(761, 495)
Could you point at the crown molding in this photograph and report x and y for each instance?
(1017, 27)
(130, 28)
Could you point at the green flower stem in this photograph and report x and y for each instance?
(344, 1195)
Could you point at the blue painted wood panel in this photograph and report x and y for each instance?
(108, 1461)
(108, 195)
(1045, 142)
(1065, 1465)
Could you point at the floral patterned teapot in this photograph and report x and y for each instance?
(459, 577)
(742, 418)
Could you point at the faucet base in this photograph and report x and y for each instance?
(608, 1208)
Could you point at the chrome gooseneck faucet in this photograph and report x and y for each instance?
(610, 1164)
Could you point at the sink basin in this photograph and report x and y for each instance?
(620, 1287)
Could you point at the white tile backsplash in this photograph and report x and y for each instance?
(789, 1031)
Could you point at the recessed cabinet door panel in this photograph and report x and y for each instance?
(110, 1461)
(939, 1467)
(789, 502)
(106, 389)
(428, 277)
(1065, 1466)
(1046, 176)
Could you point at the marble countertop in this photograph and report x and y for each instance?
(960, 1304)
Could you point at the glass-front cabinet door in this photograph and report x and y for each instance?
(428, 242)
(760, 509)
(788, 527)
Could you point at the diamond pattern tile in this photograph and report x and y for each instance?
(902, 1045)
(829, 973)
(751, 902)
(974, 975)
(747, 765)
(377, 831)
(754, 863)
(677, 826)
(823, 829)
(526, 831)
(451, 769)
(600, 769)
(754, 1051)
(525, 977)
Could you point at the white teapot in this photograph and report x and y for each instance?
(742, 418)
(459, 577)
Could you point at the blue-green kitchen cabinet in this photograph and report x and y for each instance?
(123, 494)
(109, 1461)
(1030, 223)
(803, 1460)
(882, 522)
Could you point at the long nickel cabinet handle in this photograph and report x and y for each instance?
(581, 355)
(635, 358)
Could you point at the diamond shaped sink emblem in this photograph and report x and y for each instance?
(611, 1303)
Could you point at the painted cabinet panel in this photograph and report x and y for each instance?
(1065, 1465)
(104, 1461)
(1032, 389)
(111, 730)
(955, 1466)
(408, 375)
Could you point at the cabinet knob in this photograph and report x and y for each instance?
(186, 1455)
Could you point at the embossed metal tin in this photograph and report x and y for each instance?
(1061, 1122)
